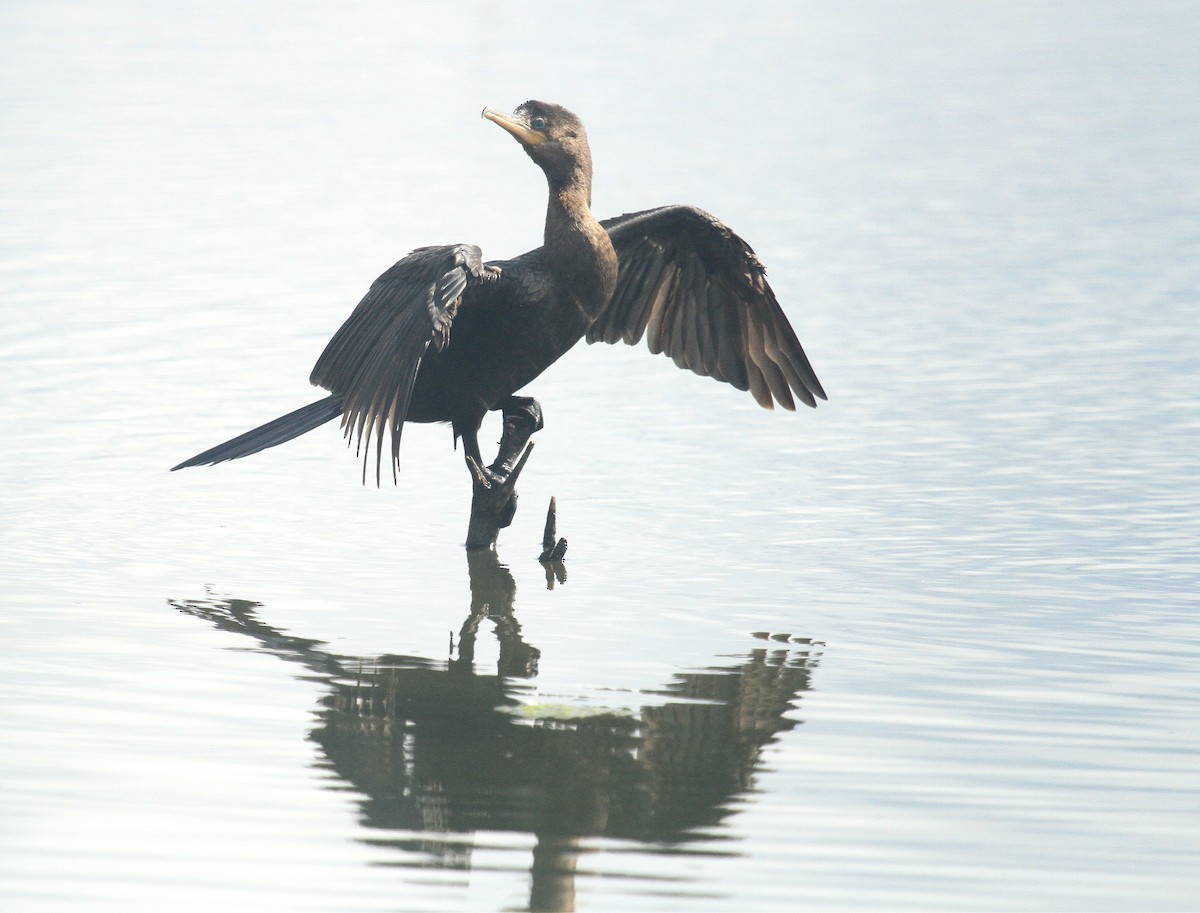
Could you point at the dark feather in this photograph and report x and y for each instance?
(638, 298)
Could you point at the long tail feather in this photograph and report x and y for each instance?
(271, 434)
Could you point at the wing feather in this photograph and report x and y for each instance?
(657, 308)
(699, 295)
(629, 307)
(758, 350)
(780, 355)
(727, 333)
(704, 339)
(693, 320)
(674, 341)
(639, 297)
(686, 347)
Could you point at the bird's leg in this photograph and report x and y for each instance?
(494, 498)
(470, 439)
(522, 417)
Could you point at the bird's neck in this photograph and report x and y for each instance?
(578, 248)
(569, 208)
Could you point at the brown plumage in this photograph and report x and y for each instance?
(443, 336)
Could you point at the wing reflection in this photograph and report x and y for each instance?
(437, 748)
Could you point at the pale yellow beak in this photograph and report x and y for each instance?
(523, 133)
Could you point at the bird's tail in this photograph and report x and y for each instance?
(271, 434)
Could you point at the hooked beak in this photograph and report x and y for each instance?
(524, 134)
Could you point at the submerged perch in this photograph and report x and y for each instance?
(553, 548)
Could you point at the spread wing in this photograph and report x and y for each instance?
(699, 295)
(371, 362)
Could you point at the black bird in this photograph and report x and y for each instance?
(443, 336)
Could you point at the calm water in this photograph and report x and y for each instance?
(932, 646)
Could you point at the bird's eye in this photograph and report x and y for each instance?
(538, 123)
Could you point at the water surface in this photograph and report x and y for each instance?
(931, 646)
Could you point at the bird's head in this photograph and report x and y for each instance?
(551, 135)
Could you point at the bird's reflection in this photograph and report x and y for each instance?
(437, 748)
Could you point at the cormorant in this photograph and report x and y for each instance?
(443, 336)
